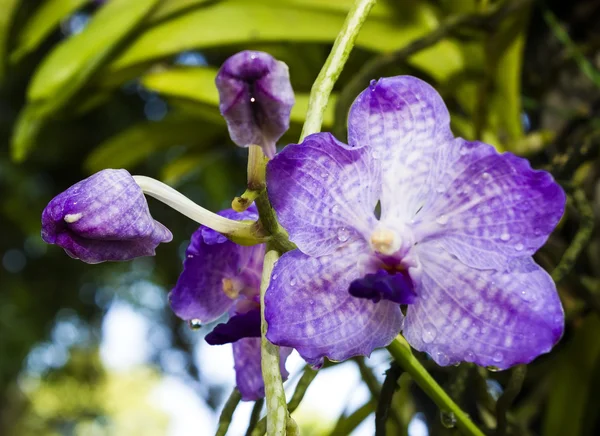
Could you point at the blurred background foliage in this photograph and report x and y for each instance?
(87, 85)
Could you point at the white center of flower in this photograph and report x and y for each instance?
(385, 241)
(72, 217)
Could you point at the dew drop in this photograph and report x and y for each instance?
(447, 418)
(519, 247)
(537, 231)
(195, 324)
(485, 176)
(335, 209)
(498, 356)
(505, 236)
(470, 356)
(375, 154)
(442, 219)
(343, 234)
(324, 174)
(293, 282)
(274, 277)
(252, 99)
(429, 333)
(373, 84)
(440, 188)
(442, 358)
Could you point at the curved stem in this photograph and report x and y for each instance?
(274, 394)
(227, 413)
(241, 232)
(400, 351)
(321, 89)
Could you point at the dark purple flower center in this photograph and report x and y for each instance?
(239, 326)
(396, 286)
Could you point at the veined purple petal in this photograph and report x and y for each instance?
(308, 307)
(239, 326)
(213, 277)
(324, 193)
(486, 207)
(248, 375)
(397, 287)
(103, 218)
(256, 98)
(401, 120)
(488, 317)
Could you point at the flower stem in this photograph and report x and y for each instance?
(334, 65)
(257, 166)
(274, 394)
(243, 233)
(400, 351)
(227, 413)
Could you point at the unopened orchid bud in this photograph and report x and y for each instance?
(256, 98)
(103, 218)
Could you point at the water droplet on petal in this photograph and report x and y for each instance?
(440, 188)
(375, 154)
(448, 419)
(343, 234)
(293, 282)
(498, 356)
(252, 99)
(470, 356)
(442, 219)
(442, 358)
(274, 277)
(195, 324)
(485, 176)
(373, 84)
(519, 247)
(429, 333)
(505, 236)
(335, 209)
(537, 231)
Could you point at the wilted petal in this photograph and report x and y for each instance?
(256, 99)
(308, 307)
(488, 207)
(324, 193)
(491, 318)
(103, 218)
(401, 120)
(248, 375)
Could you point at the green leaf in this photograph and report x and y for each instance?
(74, 60)
(46, 18)
(8, 8)
(198, 85)
(176, 171)
(571, 382)
(72, 63)
(242, 22)
(132, 146)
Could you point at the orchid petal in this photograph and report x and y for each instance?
(487, 317)
(486, 207)
(308, 307)
(323, 192)
(400, 120)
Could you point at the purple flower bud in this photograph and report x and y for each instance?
(256, 98)
(104, 217)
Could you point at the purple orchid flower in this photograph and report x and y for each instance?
(103, 218)
(459, 223)
(218, 277)
(256, 98)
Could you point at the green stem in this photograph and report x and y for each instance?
(400, 351)
(334, 65)
(269, 353)
(227, 413)
(255, 416)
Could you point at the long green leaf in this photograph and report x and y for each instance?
(240, 22)
(135, 144)
(198, 85)
(7, 9)
(72, 63)
(46, 18)
(571, 379)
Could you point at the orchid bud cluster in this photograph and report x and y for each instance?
(447, 263)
